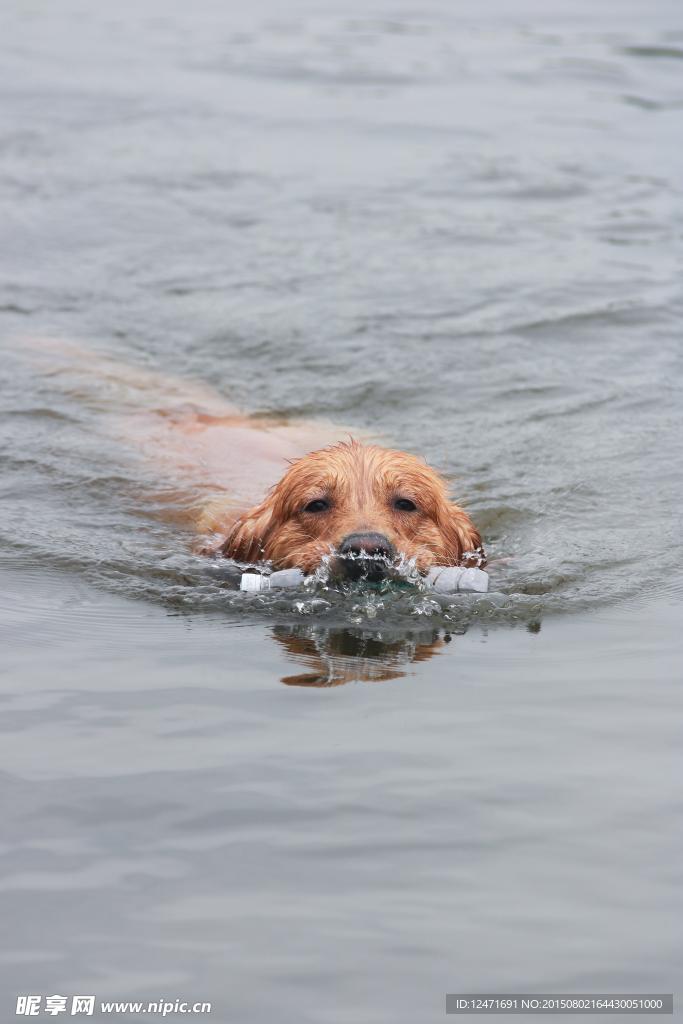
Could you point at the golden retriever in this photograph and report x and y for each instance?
(361, 509)
(357, 508)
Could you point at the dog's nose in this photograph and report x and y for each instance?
(365, 556)
(366, 545)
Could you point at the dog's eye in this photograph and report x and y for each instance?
(319, 505)
(405, 505)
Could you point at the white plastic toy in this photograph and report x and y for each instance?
(448, 579)
(452, 579)
(283, 580)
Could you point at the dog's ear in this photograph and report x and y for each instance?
(248, 537)
(459, 535)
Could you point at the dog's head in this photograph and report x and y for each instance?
(365, 507)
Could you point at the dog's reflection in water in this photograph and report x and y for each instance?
(336, 656)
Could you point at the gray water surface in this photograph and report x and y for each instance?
(456, 228)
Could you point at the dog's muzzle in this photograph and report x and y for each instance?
(364, 556)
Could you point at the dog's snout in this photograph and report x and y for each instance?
(365, 556)
(366, 545)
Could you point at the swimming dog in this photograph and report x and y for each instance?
(358, 508)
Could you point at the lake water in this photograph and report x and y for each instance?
(456, 228)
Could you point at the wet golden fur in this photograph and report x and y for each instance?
(361, 484)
